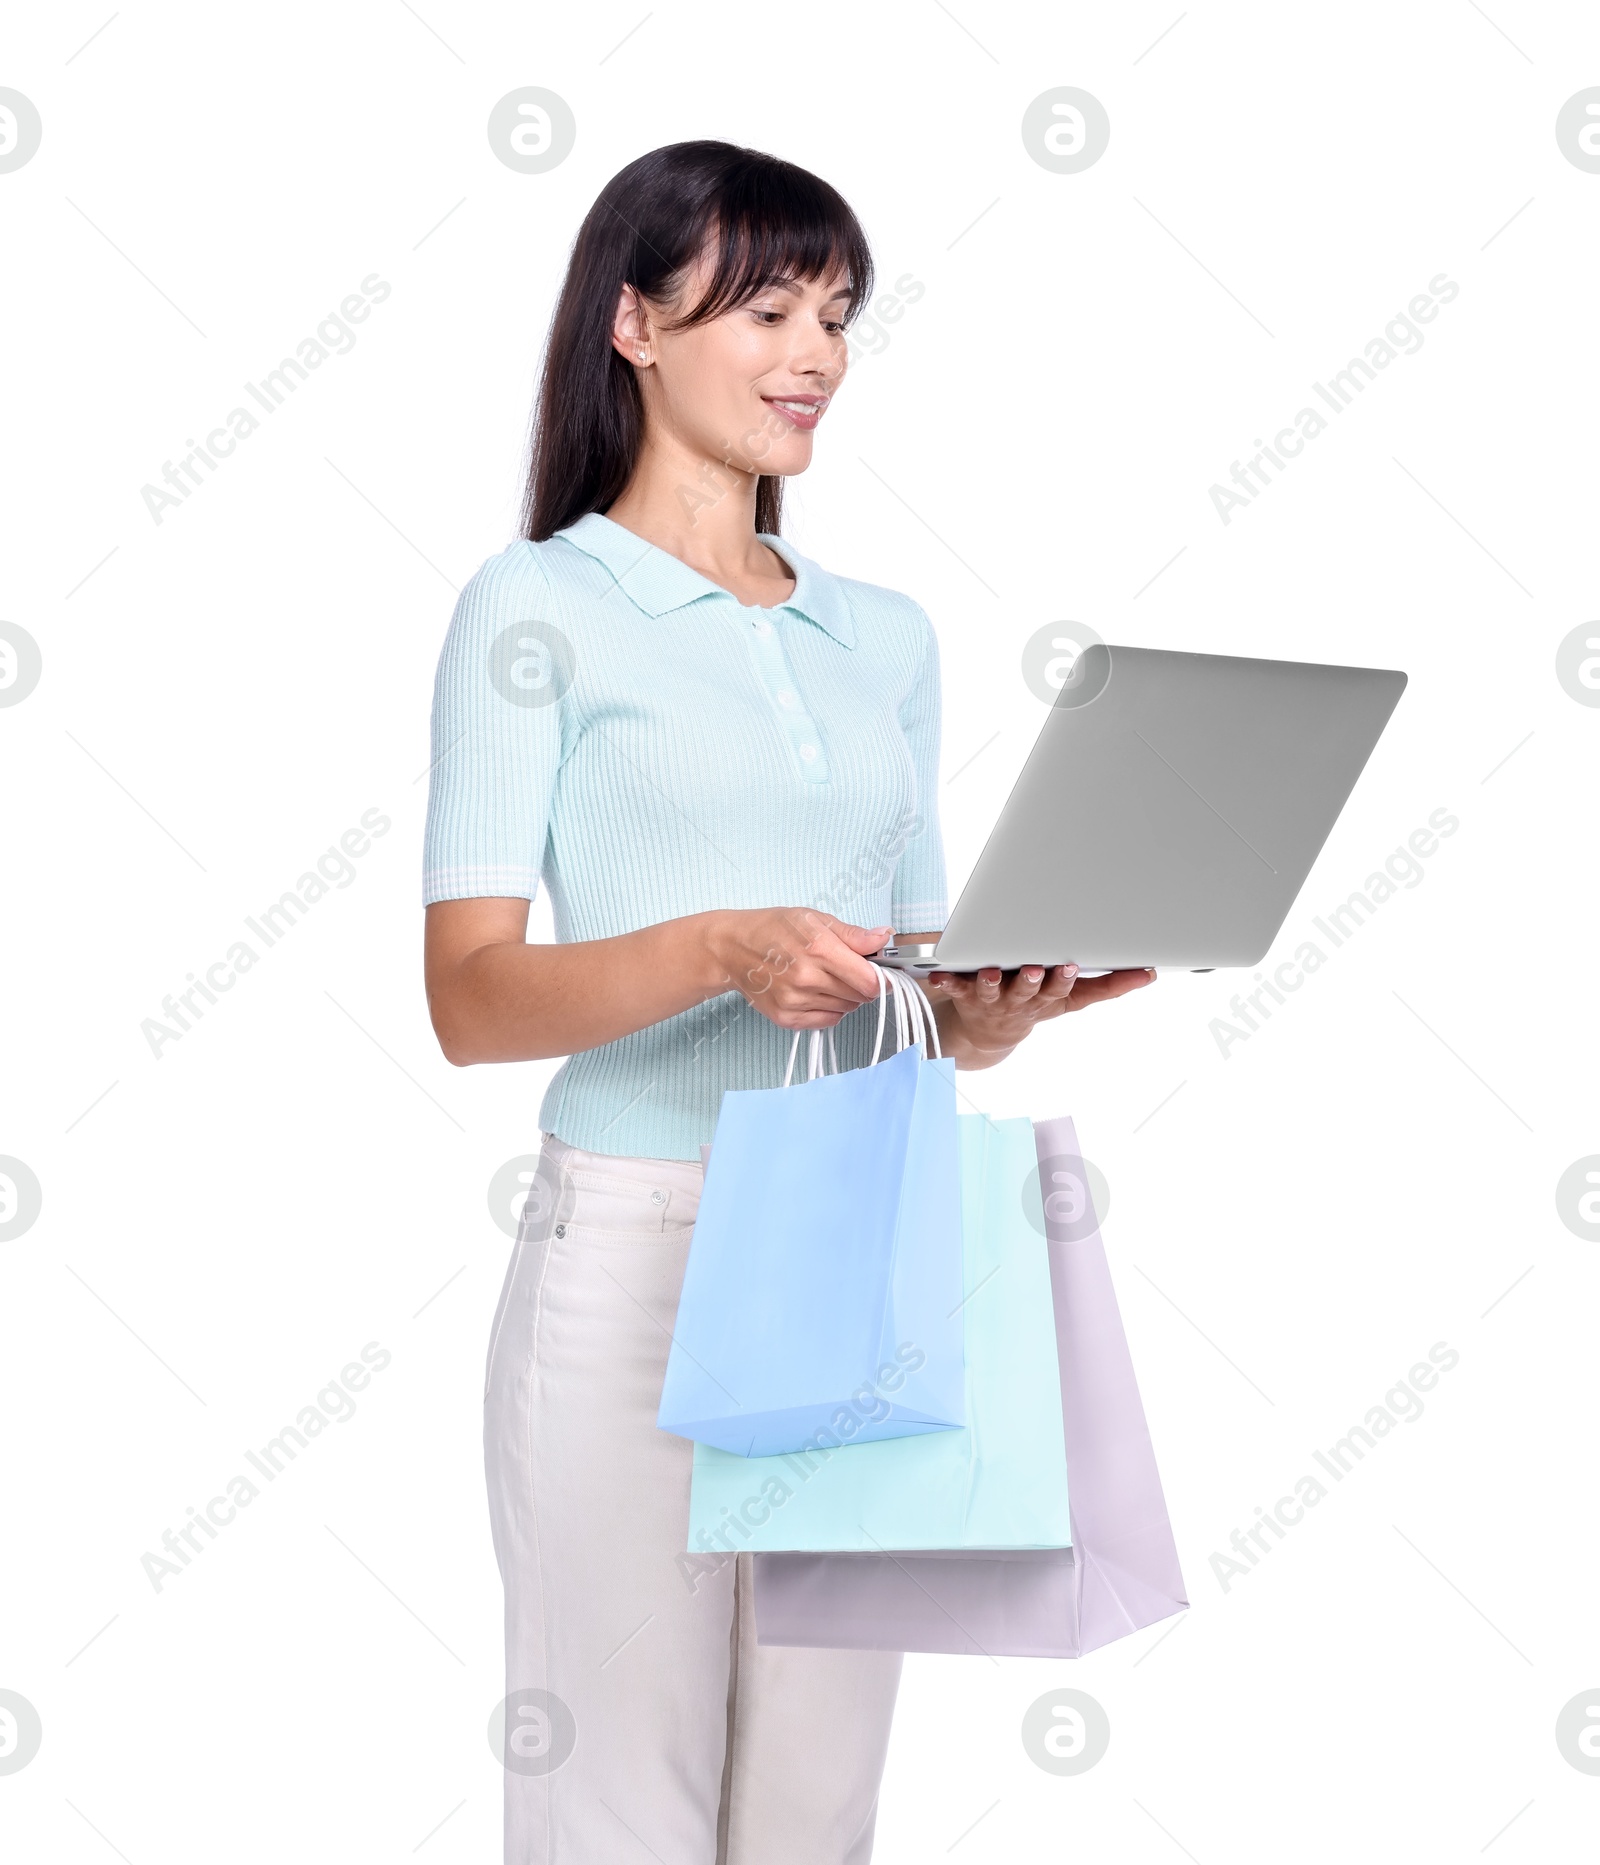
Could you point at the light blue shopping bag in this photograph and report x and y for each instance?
(1001, 1480)
(823, 1286)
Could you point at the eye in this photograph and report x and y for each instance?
(772, 314)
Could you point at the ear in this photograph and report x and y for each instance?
(630, 329)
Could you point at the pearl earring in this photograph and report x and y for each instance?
(641, 355)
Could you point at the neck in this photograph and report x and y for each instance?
(699, 510)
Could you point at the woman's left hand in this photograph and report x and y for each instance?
(982, 1016)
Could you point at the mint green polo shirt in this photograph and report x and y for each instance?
(612, 725)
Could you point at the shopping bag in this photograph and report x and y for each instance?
(1121, 1572)
(998, 1481)
(823, 1288)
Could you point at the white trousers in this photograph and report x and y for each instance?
(645, 1720)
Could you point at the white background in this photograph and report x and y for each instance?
(1371, 1172)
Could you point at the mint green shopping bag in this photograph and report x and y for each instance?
(999, 1481)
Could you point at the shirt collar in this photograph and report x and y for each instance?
(658, 582)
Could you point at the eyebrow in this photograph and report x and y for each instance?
(793, 285)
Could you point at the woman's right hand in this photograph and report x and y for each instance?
(495, 998)
(800, 967)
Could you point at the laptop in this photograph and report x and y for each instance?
(1168, 814)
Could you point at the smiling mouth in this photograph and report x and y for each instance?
(803, 410)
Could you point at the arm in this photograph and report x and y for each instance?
(494, 998)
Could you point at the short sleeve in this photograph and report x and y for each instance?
(496, 735)
(917, 900)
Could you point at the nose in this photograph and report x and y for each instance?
(817, 353)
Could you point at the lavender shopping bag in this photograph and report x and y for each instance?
(1121, 1572)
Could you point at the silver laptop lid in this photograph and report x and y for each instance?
(1169, 812)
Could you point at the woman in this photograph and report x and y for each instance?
(723, 762)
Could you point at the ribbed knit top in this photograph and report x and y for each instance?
(609, 721)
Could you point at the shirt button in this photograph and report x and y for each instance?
(808, 752)
(786, 698)
(761, 625)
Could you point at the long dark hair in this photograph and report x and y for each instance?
(768, 217)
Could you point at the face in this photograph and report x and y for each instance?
(750, 386)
